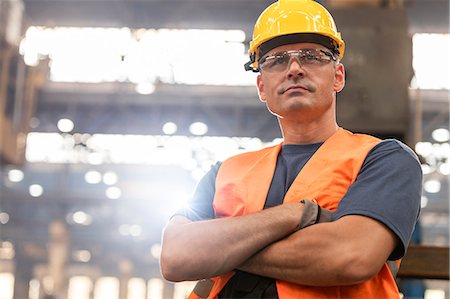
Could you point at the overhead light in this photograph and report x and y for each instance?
(155, 288)
(198, 128)
(106, 287)
(79, 287)
(4, 217)
(6, 250)
(432, 186)
(34, 122)
(145, 88)
(169, 128)
(189, 164)
(110, 178)
(434, 294)
(197, 174)
(113, 193)
(426, 169)
(95, 158)
(423, 202)
(81, 256)
(82, 218)
(133, 230)
(441, 135)
(124, 229)
(424, 148)
(93, 177)
(65, 125)
(15, 175)
(155, 250)
(36, 190)
(136, 288)
(445, 168)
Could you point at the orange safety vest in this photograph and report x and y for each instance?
(242, 185)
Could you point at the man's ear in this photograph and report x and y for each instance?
(260, 84)
(339, 78)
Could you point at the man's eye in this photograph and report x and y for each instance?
(310, 57)
(279, 59)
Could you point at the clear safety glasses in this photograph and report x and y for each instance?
(279, 62)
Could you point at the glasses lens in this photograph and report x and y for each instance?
(276, 63)
(306, 57)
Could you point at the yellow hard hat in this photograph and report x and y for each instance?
(292, 21)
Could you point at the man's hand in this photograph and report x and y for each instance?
(313, 213)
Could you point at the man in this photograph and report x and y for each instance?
(259, 225)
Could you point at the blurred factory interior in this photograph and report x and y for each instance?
(112, 110)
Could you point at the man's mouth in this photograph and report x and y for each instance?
(298, 88)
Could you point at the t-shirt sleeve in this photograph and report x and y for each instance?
(200, 205)
(388, 189)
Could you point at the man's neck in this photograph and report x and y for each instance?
(307, 133)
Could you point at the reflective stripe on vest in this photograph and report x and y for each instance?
(243, 182)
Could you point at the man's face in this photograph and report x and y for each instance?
(305, 91)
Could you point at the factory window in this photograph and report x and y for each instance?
(431, 61)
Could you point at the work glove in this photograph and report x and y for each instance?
(313, 213)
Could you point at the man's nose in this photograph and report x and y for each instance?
(295, 68)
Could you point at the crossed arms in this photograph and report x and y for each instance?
(344, 252)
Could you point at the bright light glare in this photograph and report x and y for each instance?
(113, 192)
(155, 288)
(156, 251)
(431, 73)
(190, 164)
(444, 168)
(441, 135)
(423, 202)
(93, 177)
(169, 128)
(6, 285)
(82, 218)
(95, 158)
(82, 256)
(145, 88)
(424, 148)
(65, 125)
(34, 286)
(79, 287)
(136, 288)
(15, 175)
(188, 152)
(426, 169)
(183, 289)
(36, 190)
(7, 251)
(434, 294)
(110, 178)
(188, 56)
(133, 230)
(198, 128)
(46, 148)
(4, 218)
(197, 174)
(106, 287)
(432, 186)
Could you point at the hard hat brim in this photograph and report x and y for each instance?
(295, 38)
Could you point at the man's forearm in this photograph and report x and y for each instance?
(337, 253)
(196, 250)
